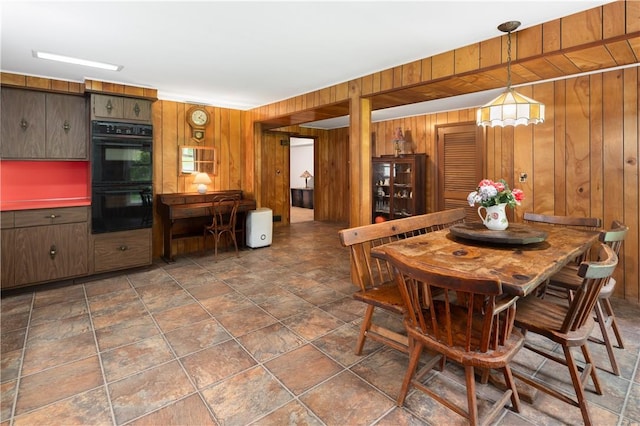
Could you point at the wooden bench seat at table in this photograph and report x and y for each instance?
(374, 277)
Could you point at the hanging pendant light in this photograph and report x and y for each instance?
(510, 108)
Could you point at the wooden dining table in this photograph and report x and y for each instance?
(521, 264)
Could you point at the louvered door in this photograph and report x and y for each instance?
(460, 164)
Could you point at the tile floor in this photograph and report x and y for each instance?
(263, 339)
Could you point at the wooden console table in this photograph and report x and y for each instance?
(185, 214)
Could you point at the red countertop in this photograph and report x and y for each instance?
(28, 185)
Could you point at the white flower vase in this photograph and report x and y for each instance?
(495, 217)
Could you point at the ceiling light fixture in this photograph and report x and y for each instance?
(510, 108)
(76, 61)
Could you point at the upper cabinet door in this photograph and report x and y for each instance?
(107, 107)
(137, 109)
(67, 134)
(23, 124)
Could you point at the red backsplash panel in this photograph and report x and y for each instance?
(44, 180)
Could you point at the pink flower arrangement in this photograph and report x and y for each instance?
(490, 193)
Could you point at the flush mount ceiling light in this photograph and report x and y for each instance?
(510, 108)
(76, 61)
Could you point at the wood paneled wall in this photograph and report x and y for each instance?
(171, 131)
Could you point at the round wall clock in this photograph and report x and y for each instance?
(197, 117)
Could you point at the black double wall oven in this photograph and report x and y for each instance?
(121, 176)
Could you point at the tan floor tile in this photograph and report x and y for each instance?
(229, 302)
(241, 399)
(10, 365)
(40, 355)
(246, 320)
(87, 408)
(153, 276)
(16, 304)
(195, 337)
(385, 369)
(7, 396)
(118, 314)
(105, 302)
(216, 363)
(127, 360)
(293, 368)
(208, 290)
(12, 340)
(107, 285)
(158, 298)
(285, 306)
(345, 308)
(126, 332)
(59, 311)
(341, 344)
(270, 341)
(58, 383)
(170, 319)
(147, 391)
(14, 320)
(320, 295)
(293, 413)
(313, 323)
(65, 328)
(188, 411)
(58, 294)
(346, 400)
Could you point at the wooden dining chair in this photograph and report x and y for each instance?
(374, 277)
(569, 326)
(605, 317)
(224, 213)
(576, 222)
(464, 319)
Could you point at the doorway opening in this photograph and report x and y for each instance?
(301, 180)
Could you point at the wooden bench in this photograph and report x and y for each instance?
(374, 277)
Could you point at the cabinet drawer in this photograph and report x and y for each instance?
(7, 220)
(119, 250)
(24, 218)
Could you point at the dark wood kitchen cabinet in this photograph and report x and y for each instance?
(38, 125)
(47, 245)
(119, 108)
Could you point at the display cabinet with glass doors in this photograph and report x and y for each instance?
(398, 186)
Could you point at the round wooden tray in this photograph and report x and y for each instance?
(516, 233)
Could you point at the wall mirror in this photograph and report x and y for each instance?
(196, 159)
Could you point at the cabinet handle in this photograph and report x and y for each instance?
(53, 251)
(109, 106)
(123, 248)
(24, 124)
(52, 216)
(136, 109)
(66, 126)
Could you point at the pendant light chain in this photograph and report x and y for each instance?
(509, 60)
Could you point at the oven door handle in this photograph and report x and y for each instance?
(131, 143)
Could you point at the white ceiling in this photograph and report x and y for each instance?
(242, 54)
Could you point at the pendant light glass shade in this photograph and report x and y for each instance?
(511, 109)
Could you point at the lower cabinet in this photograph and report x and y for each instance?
(121, 250)
(7, 271)
(52, 252)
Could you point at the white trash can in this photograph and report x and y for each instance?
(259, 227)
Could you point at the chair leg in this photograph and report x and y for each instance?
(577, 385)
(602, 323)
(414, 358)
(366, 324)
(472, 402)
(511, 384)
(589, 364)
(609, 309)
